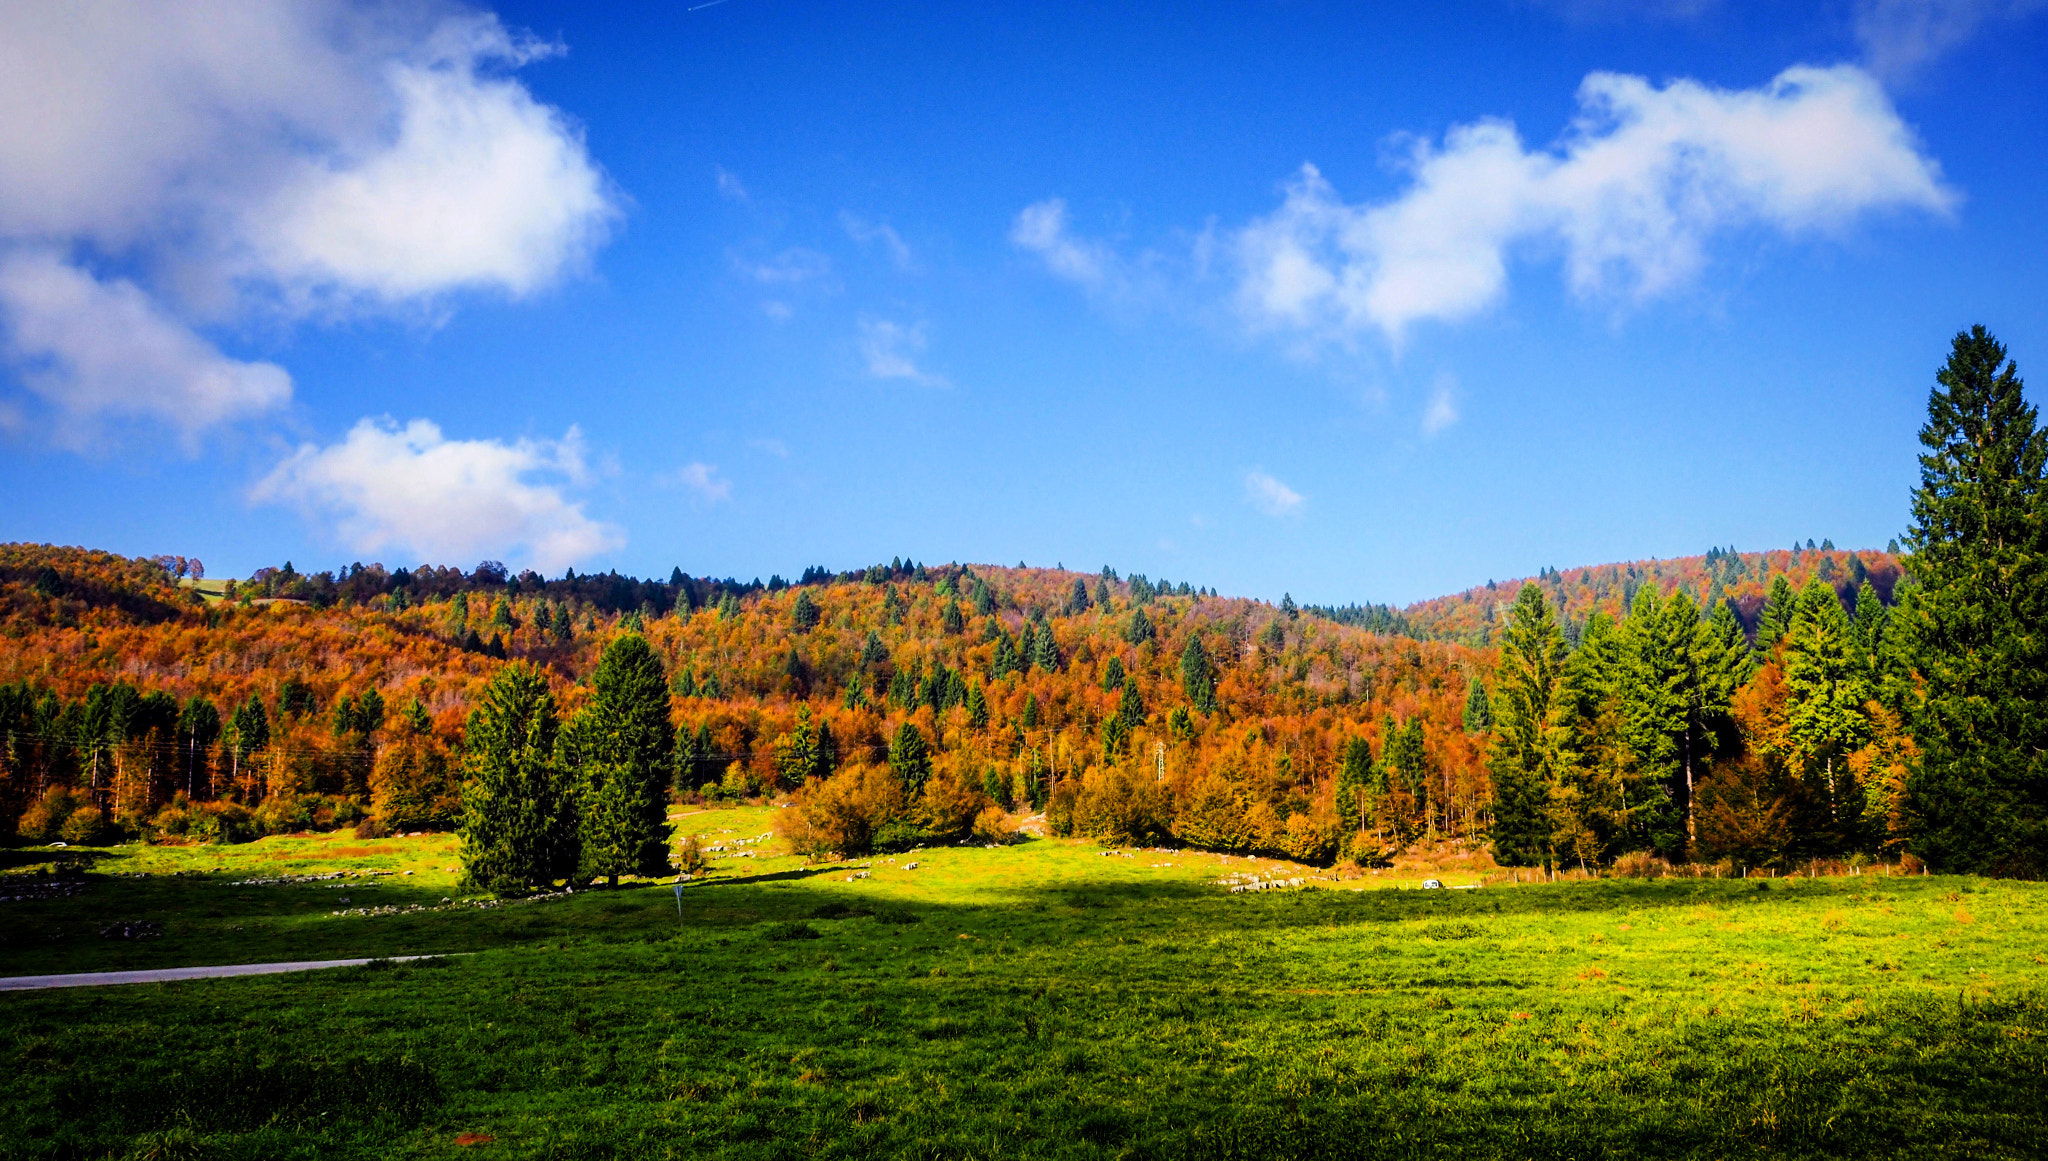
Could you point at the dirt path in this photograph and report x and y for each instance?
(169, 975)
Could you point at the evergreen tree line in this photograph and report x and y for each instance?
(1843, 729)
(547, 799)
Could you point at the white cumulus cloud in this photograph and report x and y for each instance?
(891, 351)
(94, 351)
(219, 161)
(1271, 496)
(386, 487)
(1641, 182)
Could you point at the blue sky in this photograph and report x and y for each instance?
(758, 285)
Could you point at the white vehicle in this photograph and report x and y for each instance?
(1431, 885)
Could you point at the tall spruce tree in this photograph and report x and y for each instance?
(1653, 681)
(1826, 684)
(1531, 654)
(1776, 615)
(910, 758)
(518, 802)
(1478, 707)
(1973, 630)
(1198, 675)
(622, 744)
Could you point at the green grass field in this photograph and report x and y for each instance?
(1038, 1000)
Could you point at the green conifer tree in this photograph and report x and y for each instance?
(622, 745)
(910, 758)
(1972, 628)
(518, 803)
(1478, 707)
(1139, 629)
(1826, 688)
(1113, 675)
(977, 707)
(1775, 616)
(1198, 675)
(1531, 654)
(1131, 707)
(804, 612)
(1045, 651)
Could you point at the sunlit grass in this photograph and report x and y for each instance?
(1036, 1000)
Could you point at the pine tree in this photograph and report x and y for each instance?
(1102, 592)
(1478, 707)
(803, 613)
(1139, 630)
(1113, 675)
(1131, 707)
(977, 707)
(622, 743)
(1006, 659)
(1825, 718)
(950, 620)
(1973, 627)
(1776, 616)
(1353, 784)
(910, 758)
(1077, 598)
(1045, 651)
(872, 651)
(798, 755)
(564, 629)
(518, 804)
(984, 599)
(1531, 653)
(1198, 675)
(1030, 719)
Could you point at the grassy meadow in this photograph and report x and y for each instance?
(1039, 1000)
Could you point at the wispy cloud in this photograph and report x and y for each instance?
(1041, 228)
(1271, 496)
(891, 351)
(869, 233)
(773, 447)
(792, 267)
(389, 487)
(1443, 405)
(703, 482)
(1902, 37)
(730, 186)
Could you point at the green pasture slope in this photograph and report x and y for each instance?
(1036, 1001)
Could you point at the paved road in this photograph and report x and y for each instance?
(167, 975)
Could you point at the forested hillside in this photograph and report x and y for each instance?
(1755, 708)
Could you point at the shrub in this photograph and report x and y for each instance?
(1120, 804)
(992, 825)
(415, 785)
(1059, 809)
(1641, 865)
(950, 804)
(849, 814)
(785, 932)
(44, 820)
(82, 826)
(690, 855)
